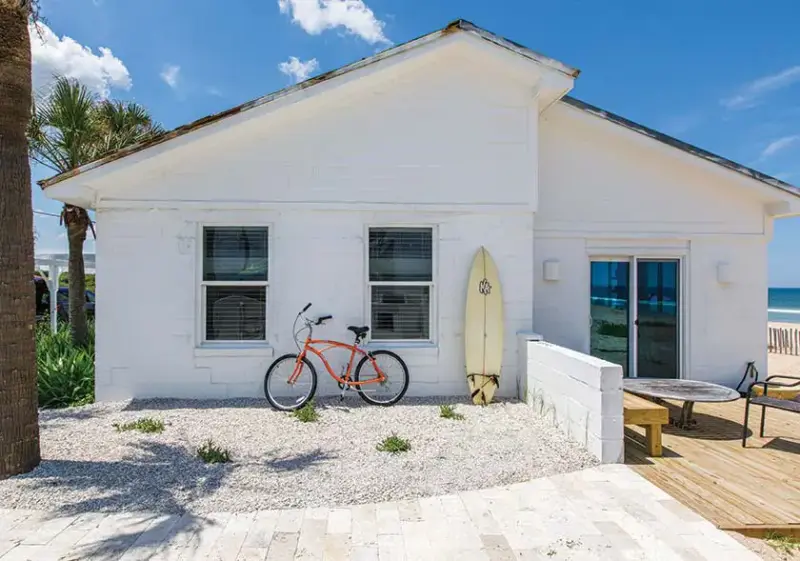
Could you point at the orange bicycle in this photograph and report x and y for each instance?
(381, 377)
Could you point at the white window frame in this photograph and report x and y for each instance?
(432, 300)
(204, 284)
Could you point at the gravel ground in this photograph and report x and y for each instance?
(766, 551)
(279, 462)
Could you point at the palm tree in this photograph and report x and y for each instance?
(19, 422)
(71, 127)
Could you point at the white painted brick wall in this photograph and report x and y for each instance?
(148, 300)
(582, 394)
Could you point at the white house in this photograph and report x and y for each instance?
(368, 190)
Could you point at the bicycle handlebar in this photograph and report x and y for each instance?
(323, 318)
(306, 308)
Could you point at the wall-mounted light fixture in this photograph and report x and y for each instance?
(552, 270)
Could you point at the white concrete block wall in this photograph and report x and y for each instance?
(148, 297)
(582, 394)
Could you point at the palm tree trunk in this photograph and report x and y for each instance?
(77, 221)
(19, 423)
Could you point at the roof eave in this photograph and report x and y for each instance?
(683, 146)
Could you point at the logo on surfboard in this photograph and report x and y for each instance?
(485, 287)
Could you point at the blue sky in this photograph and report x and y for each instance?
(721, 74)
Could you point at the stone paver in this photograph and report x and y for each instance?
(607, 512)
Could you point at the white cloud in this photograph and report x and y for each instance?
(54, 56)
(315, 16)
(777, 145)
(752, 93)
(298, 69)
(170, 75)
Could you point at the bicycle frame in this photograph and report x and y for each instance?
(345, 379)
(354, 349)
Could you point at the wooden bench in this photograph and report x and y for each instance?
(641, 412)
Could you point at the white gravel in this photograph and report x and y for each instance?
(279, 462)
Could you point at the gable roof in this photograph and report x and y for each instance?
(456, 26)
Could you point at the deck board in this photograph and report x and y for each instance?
(751, 489)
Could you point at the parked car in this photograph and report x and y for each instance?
(62, 300)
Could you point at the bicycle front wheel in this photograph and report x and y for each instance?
(290, 382)
(395, 381)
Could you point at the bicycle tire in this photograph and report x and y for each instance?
(360, 389)
(271, 369)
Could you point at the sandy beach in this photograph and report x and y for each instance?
(784, 364)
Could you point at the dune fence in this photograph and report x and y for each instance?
(785, 341)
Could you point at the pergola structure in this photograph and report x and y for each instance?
(55, 264)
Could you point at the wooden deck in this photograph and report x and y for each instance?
(752, 490)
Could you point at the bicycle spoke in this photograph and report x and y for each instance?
(289, 385)
(393, 383)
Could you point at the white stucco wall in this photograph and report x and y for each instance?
(608, 192)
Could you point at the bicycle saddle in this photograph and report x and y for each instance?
(359, 331)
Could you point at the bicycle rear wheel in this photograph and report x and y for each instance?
(392, 388)
(290, 383)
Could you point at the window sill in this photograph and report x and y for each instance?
(416, 348)
(234, 350)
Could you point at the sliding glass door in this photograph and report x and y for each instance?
(657, 327)
(635, 315)
(610, 309)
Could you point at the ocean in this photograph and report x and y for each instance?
(784, 304)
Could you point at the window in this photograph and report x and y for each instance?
(400, 283)
(234, 283)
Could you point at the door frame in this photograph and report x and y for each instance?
(632, 256)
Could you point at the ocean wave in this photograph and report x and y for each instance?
(783, 311)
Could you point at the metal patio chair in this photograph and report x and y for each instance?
(765, 400)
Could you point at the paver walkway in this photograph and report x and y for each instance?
(608, 512)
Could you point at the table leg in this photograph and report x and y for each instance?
(686, 420)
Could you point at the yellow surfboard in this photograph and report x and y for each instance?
(483, 328)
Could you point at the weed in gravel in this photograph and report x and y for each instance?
(783, 544)
(210, 453)
(145, 424)
(307, 413)
(394, 444)
(449, 412)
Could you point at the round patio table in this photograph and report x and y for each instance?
(687, 391)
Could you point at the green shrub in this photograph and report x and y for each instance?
(210, 453)
(307, 413)
(394, 444)
(65, 371)
(612, 329)
(145, 424)
(449, 412)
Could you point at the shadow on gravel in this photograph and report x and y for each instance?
(327, 402)
(71, 414)
(144, 495)
(299, 461)
(167, 404)
(157, 478)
